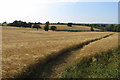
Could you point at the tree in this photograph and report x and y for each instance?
(46, 28)
(37, 26)
(118, 28)
(92, 29)
(53, 28)
(29, 24)
(69, 24)
(4, 23)
(109, 27)
(113, 27)
(58, 23)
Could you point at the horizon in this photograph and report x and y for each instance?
(65, 22)
(63, 11)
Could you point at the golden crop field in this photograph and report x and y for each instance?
(98, 47)
(24, 46)
(99, 59)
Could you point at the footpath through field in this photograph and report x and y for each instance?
(25, 49)
(54, 68)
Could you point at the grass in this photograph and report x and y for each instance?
(103, 28)
(105, 66)
(24, 46)
(102, 61)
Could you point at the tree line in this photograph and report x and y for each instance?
(31, 25)
(104, 27)
(24, 24)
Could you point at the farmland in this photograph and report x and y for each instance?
(96, 60)
(74, 27)
(25, 46)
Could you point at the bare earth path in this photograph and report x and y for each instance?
(53, 68)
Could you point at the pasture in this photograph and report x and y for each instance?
(22, 47)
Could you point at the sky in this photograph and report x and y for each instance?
(77, 11)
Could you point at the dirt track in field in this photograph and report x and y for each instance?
(53, 68)
(27, 48)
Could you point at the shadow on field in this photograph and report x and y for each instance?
(44, 69)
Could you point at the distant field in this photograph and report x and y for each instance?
(24, 46)
(74, 27)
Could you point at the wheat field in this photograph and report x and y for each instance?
(24, 46)
(99, 59)
(97, 48)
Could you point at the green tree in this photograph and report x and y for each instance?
(110, 27)
(37, 26)
(69, 24)
(117, 26)
(92, 29)
(4, 23)
(46, 28)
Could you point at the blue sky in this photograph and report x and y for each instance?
(77, 11)
(103, 12)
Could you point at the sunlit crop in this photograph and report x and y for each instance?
(24, 46)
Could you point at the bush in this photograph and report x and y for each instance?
(53, 28)
(69, 24)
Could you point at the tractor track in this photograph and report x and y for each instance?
(54, 67)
